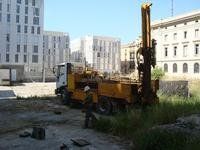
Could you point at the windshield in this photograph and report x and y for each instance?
(61, 70)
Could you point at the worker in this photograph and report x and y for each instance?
(88, 107)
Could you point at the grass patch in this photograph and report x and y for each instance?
(136, 123)
(159, 139)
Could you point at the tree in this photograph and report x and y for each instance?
(157, 73)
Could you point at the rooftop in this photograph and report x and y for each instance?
(176, 19)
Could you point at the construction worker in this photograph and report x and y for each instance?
(88, 106)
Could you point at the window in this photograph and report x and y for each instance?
(0, 6)
(17, 18)
(25, 58)
(175, 36)
(8, 17)
(185, 47)
(36, 11)
(19, 1)
(196, 33)
(35, 49)
(26, 10)
(38, 30)
(25, 48)
(7, 57)
(7, 48)
(8, 7)
(185, 34)
(165, 68)
(185, 68)
(166, 51)
(26, 20)
(26, 2)
(34, 58)
(8, 37)
(175, 50)
(18, 9)
(18, 48)
(98, 54)
(33, 2)
(36, 20)
(32, 29)
(18, 28)
(25, 29)
(16, 58)
(0, 17)
(196, 49)
(175, 68)
(165, 38)
(196, 68)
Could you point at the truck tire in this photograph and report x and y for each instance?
(104, 105)
(65, 97)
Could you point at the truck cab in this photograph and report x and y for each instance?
(61, 77)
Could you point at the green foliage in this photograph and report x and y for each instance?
(159, 139)
(157, 73)
(136, 123)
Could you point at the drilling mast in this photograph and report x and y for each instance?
(147, 52)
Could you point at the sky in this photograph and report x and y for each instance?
(116, 18)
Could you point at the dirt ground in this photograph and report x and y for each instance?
(28, 90)
(18, 116)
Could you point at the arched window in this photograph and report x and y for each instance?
(165, 67)
(196, 68)
(185, 68)
(175, 68)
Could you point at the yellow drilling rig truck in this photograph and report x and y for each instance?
(109, 95)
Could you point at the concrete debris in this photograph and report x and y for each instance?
(38, 133)
(64, 147)
(80, 142)
(25, 134)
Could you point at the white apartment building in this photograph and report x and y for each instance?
(21, 39)
(56, 50)
(178, 45)
(99, 52)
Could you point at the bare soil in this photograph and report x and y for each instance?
(17, 116)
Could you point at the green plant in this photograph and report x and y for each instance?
(157, 73)
(136, 122)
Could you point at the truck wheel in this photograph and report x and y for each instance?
(104, 105)
(65, 97)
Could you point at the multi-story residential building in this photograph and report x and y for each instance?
(99, 52)
(178, 44)
(128, 58)
(56, 50)
(21, 39)
(77, 51)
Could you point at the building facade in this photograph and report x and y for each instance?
(56, 50)
(99, 52)
(128, 58)
(178, 45)
(21, 39)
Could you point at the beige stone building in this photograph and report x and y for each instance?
(128, 57)
(178, 45)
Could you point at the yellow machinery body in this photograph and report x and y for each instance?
(126, 92)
